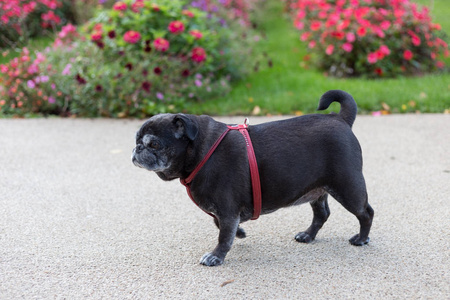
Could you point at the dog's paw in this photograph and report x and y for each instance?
(357, 241)
(303, 237)
(211, 260)
(240, 233)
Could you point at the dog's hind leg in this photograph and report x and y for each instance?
(353, 196)
(240, 233)
(321, 213)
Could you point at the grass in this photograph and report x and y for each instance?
(287, 88)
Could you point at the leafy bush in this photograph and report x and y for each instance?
(138, 58)
(371, 38)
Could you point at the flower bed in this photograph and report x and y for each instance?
(22, 19)
(371, 38)
(138, 58)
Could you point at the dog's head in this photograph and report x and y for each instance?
(161, 144)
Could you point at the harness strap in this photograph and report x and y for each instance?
(254, 173)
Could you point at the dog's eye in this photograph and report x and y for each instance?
(154, 145)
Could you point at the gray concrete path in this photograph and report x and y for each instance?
(79, 221)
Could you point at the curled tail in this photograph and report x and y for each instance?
(348, 105)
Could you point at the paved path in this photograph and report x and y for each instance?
(78, 220)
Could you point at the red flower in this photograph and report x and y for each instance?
(315, 25)
(120, 6)
(161, 44)
(96, 36)
(188, 13)
(379, 71)
(146, 85)
(176, 27)
(198, 54)
(361, 31)
(196, 34)
(157, 70)
(408, 55)
(132, 37)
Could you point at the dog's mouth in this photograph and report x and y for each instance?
(142, 162)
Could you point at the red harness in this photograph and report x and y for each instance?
(256, 185)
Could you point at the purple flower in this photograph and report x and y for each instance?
(31, 84)
(160, 96)
(51, 99)
(198, 83)
(42, 78)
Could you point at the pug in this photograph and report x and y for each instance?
(302, 159)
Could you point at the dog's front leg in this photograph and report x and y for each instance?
(228, 227)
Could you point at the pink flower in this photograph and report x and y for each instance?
(66, 70)
(299, 25)
(176, 27)
(415, 40)
(347, 47)
(136, 6)
(329, 49)
(372, 58)
(198, 54)
(196, 34)
(305, 36)
(33, 69)
(31, 84)
(120, 6)
(312, 44)
(132, 37)
(408, 55)
(351, 37)
(161, 44)
(51, 99)
(385, 25)
(440, 64)
(4, 69)
(385, 50)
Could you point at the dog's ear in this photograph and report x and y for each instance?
(185, 126)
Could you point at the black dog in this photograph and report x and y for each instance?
(300, 160)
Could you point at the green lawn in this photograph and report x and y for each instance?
(286, 88)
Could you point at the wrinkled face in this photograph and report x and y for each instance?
(149, 153)
(161, 145)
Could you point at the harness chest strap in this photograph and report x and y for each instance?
(254, 173)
